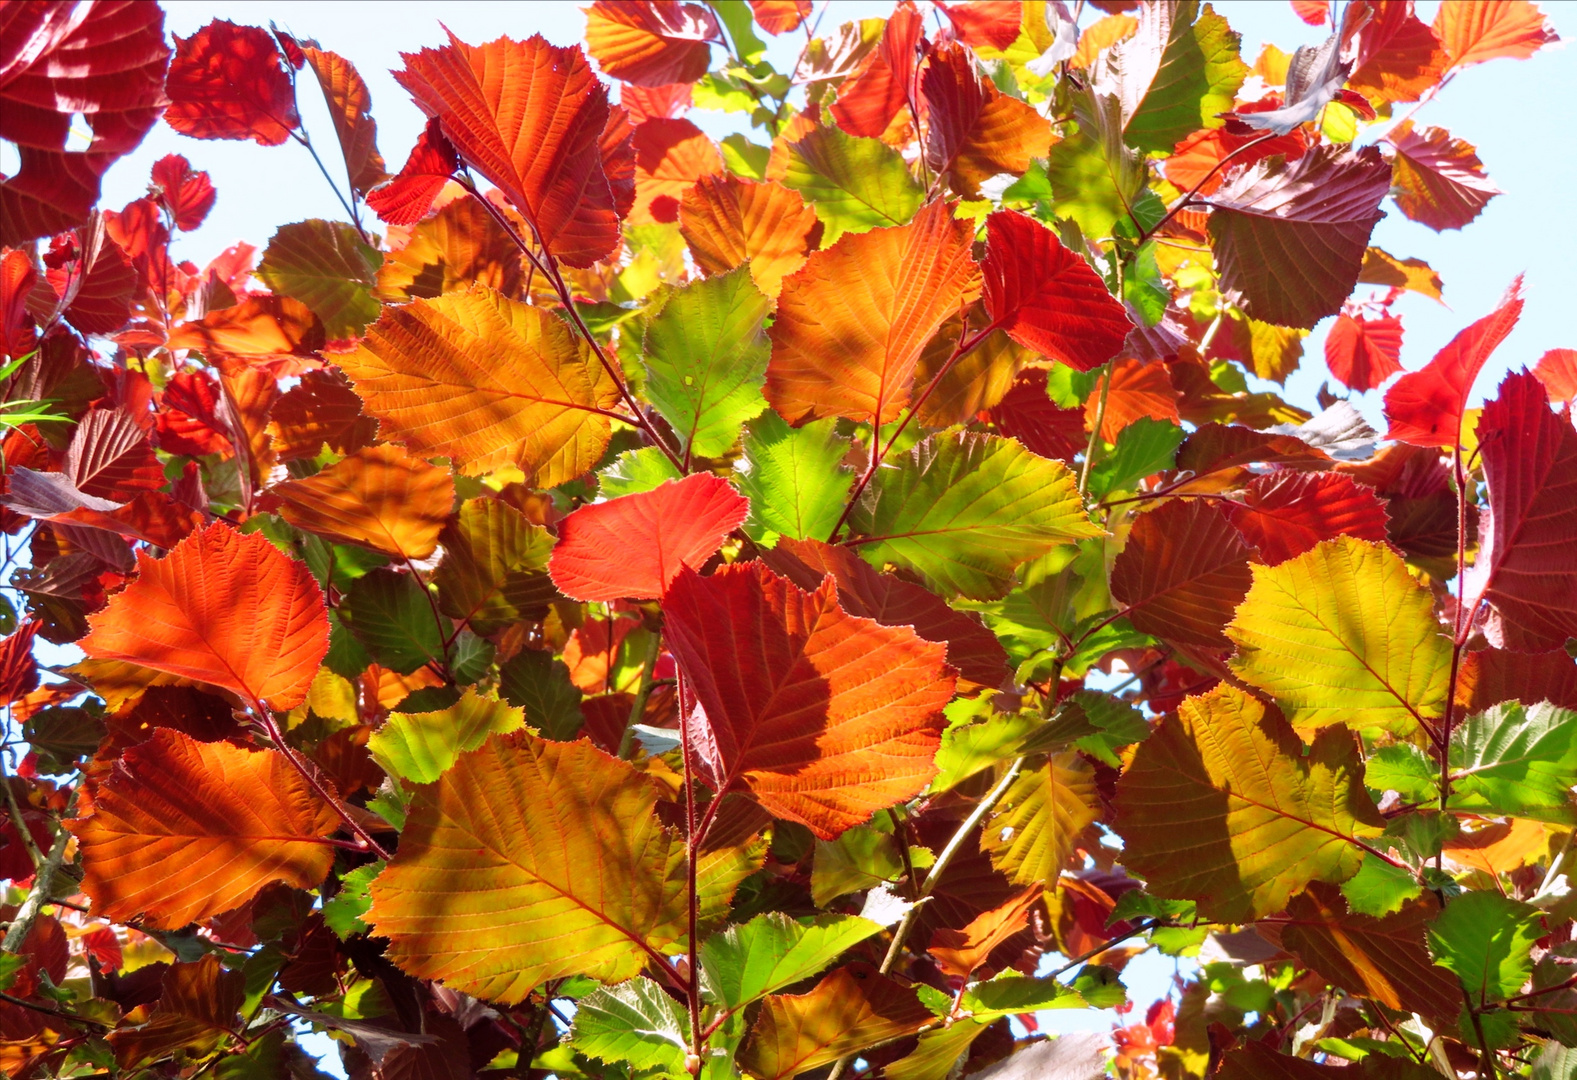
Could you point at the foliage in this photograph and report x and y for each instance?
(797, 605)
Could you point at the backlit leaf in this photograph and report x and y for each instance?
(1361, 352)
(749, 961)
(1473, 31)
(495, 565)
(976, 131)
(1398, 57)
(459, 244)
(851, 323)
(964, 511)
(380, 497)
(1517, 760)
(1439, 180)
(393, 618)
(230, 82)
(822, 717)
(1221, 805)
(670, 157)
(181, 830)
(1033, 829)
(1343, 634)
(326, 266)
(683, 523)
(1182, 573)
(487, 381)
(350, 108)
(874, 96)
(960, 952)
(727, 221)
(1557, 370)
(407, 197)
(853, 184)
(420, 747)
(852, 1008)
(651, 44)
(634, 1022)
(221, 608)
(797, 482)
(1285, 513)
(1485, 939)
(780, 16)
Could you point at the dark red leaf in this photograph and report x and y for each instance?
(1491, 676)
(18, 669)
(1285, 513)
(1362, 353)
(1439, 180)
(110, 456)
(1398, 55)
(187, 195)
(1182, 573)
(1027, 414)
(230, 82)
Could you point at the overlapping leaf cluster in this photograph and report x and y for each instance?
(621, 604)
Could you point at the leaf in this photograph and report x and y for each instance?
(850, 1009)
(965, 510)
(822, 717)
(380, 497)
(634, 1022)
(258, 328)
(1484, 939)
(230, 82)
(488, 382)
(420, 747)
(1174, 75)
(1362, 353)
(876, 94)
(1398, 57)
(1047, 298)
(684, 523)
(534, 681)
(1291, 237)
(529, 117)
(1182, 573)
(670, 157)
(706, 353)
(1383, 959)
(1557, 370)
(1221, 805)
(651, 44)
(852, 322)
(971, 649)
(1439, 180)
(110, 456)
(494, 569)
(350, 108)
(1473, 31)
(1343, 634)
(1491, 676)
(406, 198)
(1032, 832)
(1095, 179)
(728, 222)
(635, 471)
(1285, 513)
(392, 616)
(552, 862)
(342, 914)
(853, 184)
(1425, 407)
(1144, 447)
(960, 952)
(976, 131)
(797, 482)
(1526, 570)
(1026, 413)
(780, 16)
(1517, 761)
(751, 960)
(180, 830)
(329, 268)
(1258, 1061)
(221, 608)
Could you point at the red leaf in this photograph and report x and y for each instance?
(1438, 180)
(1491, 676)
(1557, 370)
(95, 290)
(1046, 297)
(1425, 407)
(976, 131)
(529, 117)
(655, 102)
(1027, 414)
(110, 456)
(891, 601)
(1474, 31)
(651, 42)
(406, 198)
(1194, 158)
(1313, 12)
(1285, 513)
(1138, 390)
(871, 98)
(823, 717)
(187, 195)
(230, 82)
(230, 610)
(991, 24)
(680, 523)
(1527, 563)
(780, 16)
(18, 669)
(1182, 573)
(1291, 238)
(1362, 353)
(670, 156)
(1399, 56)
(56, 60)
(17, 278)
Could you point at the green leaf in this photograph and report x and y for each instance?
(741, 24)
(1378, 888)
(862, 858)
(1485, 939)
(342, 914)
(964, 511)
(420, 747)
(394, 621)
(1518, 761)
(795, 481)
(1404, 769)
(1143, 286)
(1343, 634)
(970, 748)
(634, 1022)
(494, 569)
(745, 158)
(1011, 993)
(1144, 448)
(706, 357)
(635, 471)
(1138, 904)
(854, 184)
(1117, 725)
(540, 685)
(10, 964)
(1094, 177)
(329, 268)
(749, 961)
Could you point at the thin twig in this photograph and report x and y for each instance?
(642, 694)
(1095, 428)
(277, 737)
(1183, 202)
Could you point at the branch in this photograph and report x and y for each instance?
(43, 880)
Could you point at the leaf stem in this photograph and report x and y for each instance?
(1459, 628)
(23, 833)
(691, 843)
(277, 737)
(642, 694)
(1182, 203)
(1095, 428)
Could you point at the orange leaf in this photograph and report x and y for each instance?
(872, 98)
(823, 717)
(727, 221)
(350, 107)
(528, 116)
(380, 497)
(486, 381)
(680, 523)
(780, 16)
(321, 408)
(1138, 390)
(670, 156)
(181, 830)
(459, 244)
(221, 608)
(976, 131)
(854, 319)
(1499, 847)
(1399, 57)
(991, 24)
(1557, 370)
(1474, 31)
(854, 1007)
(651, 42)
(960, 952)
(257, 328)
